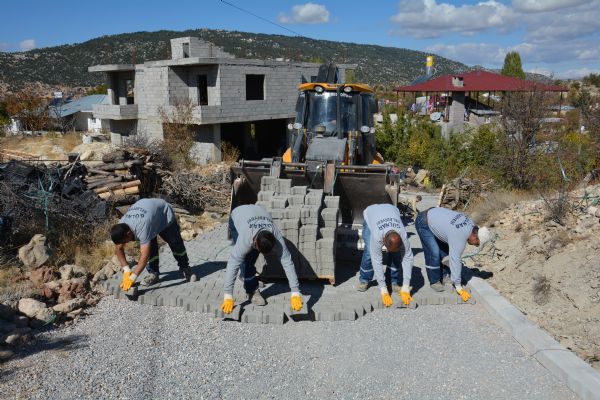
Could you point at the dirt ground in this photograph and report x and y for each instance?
(53, 146)
(550, 271)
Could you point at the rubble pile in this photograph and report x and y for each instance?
(55, 296)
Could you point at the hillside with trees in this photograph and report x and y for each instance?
(67, 64)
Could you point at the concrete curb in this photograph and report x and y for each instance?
(579, 376)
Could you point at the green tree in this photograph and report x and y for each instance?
(512, 65)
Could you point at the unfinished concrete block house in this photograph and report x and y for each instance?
(243, 101)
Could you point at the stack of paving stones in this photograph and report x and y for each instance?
(209, 253)
(308, 221)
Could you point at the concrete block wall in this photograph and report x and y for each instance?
(197, 48)
(161, 84)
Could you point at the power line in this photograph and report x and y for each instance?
(273, 23)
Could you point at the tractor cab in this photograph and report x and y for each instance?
(334, 122)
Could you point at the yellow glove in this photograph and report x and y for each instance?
(386, 299)
(464, 295)
(296, 301)
(227, 305)
(128, 280)
(405, 295)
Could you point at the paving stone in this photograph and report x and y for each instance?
(320, 256)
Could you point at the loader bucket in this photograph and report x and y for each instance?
(357, 186)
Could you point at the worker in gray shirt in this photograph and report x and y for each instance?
(383, 227)
(144, 221)
(444, 232)
(253, 231)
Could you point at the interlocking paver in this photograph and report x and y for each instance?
(322, 302)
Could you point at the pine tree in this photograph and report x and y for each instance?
(512, 65)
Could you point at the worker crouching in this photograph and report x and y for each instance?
(145, 221)
(253, 232)
(383, 227)
(444, 233)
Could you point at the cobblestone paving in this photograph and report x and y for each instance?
(208, 256)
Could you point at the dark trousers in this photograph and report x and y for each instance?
(172, 236)
(248, 267)
(434, 250)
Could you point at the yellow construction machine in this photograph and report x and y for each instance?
(331, 147)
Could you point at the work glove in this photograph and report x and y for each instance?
(296, 301)
(227, 306)
(405, 294)
(464, 295)
(128, 279)
(386, 299)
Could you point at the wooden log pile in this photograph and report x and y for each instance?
(458, 193)
(119, 178)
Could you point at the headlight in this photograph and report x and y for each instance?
(347, 89)
(319, 89)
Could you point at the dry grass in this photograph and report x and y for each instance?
(541, 289)
(229, 152)
(52, 146)
(488, 207)
(69, 141)
(13, 283)
(90, 250)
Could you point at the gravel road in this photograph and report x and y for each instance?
(132, 351)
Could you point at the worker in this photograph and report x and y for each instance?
(144, 222)
(444, 232)
(383, 226)
(253, 232)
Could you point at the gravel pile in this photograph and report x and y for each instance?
(127, 350)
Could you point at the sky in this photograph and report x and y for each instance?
(558, 38)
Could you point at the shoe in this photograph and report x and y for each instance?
(396, 288)
(362, 286)
(446, 280)
(189, 275)
(256, 298)
(149, 280)
(438, 286)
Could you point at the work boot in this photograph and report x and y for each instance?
(256, 298)
(438, 286)
(446, 280)
(188, 274)
(149, 280)
(362, 286)
(395, 288)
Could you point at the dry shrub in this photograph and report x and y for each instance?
(229, 152)
(489, 206)
(559, 207)
(89, 249)
(13, 283)
(518, 227)
(178, 133)
(541, 289)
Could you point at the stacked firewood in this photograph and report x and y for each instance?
(118, 178)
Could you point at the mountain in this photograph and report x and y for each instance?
(67, 64)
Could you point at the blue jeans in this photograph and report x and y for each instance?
(172, 236)
(366, 266)
(433, 248)
(248, 267)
